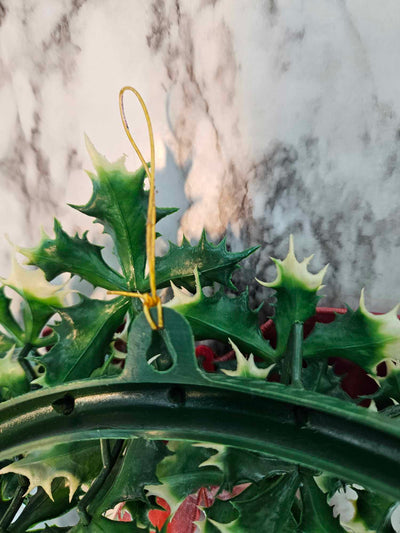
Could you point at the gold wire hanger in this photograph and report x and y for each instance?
(151, 299)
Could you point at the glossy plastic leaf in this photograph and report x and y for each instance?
(371, 511)
(266, 506)
(296, 294)
(317, 515)
(103, 525)
(39, 507)
(221, 517)
(77, 462)
(6, 318)
(84, 334)
(242, 466)
(75, 255)
(13, 380)
(390, 387)
(246, 367)
(221, 317)
(180, 474)
(119, 202)
(359, 336)
(39, 296)
(214, 263)
(320, 377)
(136, 469)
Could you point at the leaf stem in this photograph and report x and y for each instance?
(15, 504)
(292, 363)
(109, 458)
(30, 373)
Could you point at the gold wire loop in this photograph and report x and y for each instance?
(152, 299)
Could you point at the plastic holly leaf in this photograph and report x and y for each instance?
(221, 317)
(13, 380)
(221, 517)
(39, 507)
(39, 295)
(266, 506)
(75, 255)
(371, 510)
(360, 336)
(246, 368)
(135, 470)
(213, 262)
(84, 334)
(390, 387)
(103, 525)
(6, 343)
(77, 462)
(320, 377)
(317, 516)
(119, 202)
(180, 474)
(296, 294)
(242, 466)
(7, 320)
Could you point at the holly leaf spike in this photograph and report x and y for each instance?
(246, 368)
(296, 293)
(75, 255)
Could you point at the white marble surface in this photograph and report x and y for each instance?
(271, 117)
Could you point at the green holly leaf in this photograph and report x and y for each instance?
(75, 255)
(39, 507)
(119, 202)
(242, 466)
(40, 297)
(320, 377)
(296, 294)
(317, 516)
(221, 517)
(13, 380)
(77, 462)
(213, 261)
(7, 320)
(135, 469)
(221, 317)
(84, 334)
(180, 474)
(6, 343)
(51, 529)
(266, 506)
(103, 525)
(359, 336)
(390, 387)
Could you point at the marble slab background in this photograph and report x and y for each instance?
(271, 117)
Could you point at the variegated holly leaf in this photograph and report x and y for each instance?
(77, 462)
(242, 466)
(221, 517)
(317, 516)
(119, 202)
(39, 507)
(84, 334)
(135, 469)
(75, 255)
(103, 525)
(296, 294)
(221, 317)
(7, 320)
(213, 262)
(390, 387)
(359, 336)
(40, 297)
(180, 474)
(246, 368)
(13, 380)
(320, 377)
(371, 513)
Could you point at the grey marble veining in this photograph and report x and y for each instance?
(271, 117)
